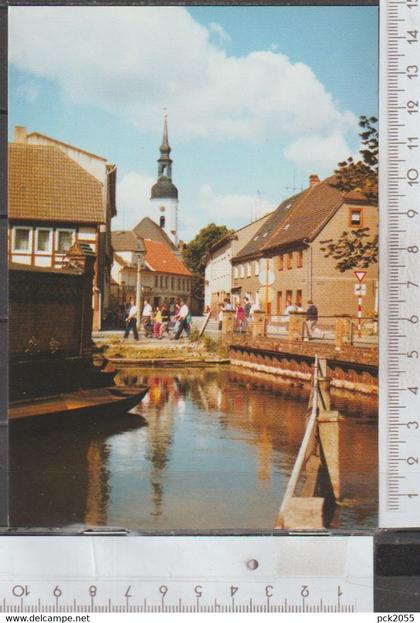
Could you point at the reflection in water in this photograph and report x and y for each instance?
(216, 453)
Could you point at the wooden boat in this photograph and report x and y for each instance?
(85, 402)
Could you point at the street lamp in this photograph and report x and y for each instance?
(140, 252)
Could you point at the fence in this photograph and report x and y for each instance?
(338, 330)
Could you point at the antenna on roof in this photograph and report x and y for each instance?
(293, 187)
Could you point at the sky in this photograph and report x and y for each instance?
(257, 98)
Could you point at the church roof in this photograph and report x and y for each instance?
(164, 189)
(147, 228)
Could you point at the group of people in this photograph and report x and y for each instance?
(243, 312)
(156, 321)
(311, 316)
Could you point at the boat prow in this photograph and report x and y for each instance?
(103, 401)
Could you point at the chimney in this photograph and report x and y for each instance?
(20, 134)
(313, 180)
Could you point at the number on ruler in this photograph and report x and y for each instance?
(412, 36)
(412, 4)
(412, 106)
(414, 142)
(412, 176)
(412, 71)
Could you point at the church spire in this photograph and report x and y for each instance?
(165, 162)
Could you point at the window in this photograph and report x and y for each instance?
(22, 239)
(289, 296)
(156, 281)
(298, 298)
(162, 222)
(161, 281)
(64, 240)
(257, 268)
(289, 260)
(248, 269)
(356, 217)
(166, 281)
(241, 271)
(280, 262)
(43, 241)
(299, 260)
(179, 282)
(235, 272)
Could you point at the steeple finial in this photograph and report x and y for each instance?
(165, 148)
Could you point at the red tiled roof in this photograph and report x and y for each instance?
(160, 259)
(46, 185)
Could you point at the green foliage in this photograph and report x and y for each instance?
(194, 335)
(358, 248)
(195, 252)
(362, 175)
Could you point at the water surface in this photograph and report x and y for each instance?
(208, 448)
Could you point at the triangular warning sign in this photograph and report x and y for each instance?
(360, 275)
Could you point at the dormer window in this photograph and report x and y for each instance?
(356, 217)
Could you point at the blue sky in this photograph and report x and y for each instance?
(257, 96)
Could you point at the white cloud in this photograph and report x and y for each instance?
(133, 193)
(319, 154)
(135, 60)
(220, 32)
(133, 200)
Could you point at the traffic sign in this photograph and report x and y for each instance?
(360, 289)
(360, 275)
(266, 278)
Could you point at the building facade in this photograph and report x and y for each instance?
(218, 278)
(164, 278)
(285, 262)
(60, 195)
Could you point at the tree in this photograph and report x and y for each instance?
(358, 248)
(195, 252)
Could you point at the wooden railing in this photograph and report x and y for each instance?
(315, 474)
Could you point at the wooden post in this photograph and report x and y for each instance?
(295, 328)
(342, 332)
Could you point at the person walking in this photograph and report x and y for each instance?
(157, 322)
(240, 317)
(183, 320)
(220, 316)
(147, 318)
(311, 318)
(131, 322)
(165, 321)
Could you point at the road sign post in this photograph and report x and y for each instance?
(360, 275)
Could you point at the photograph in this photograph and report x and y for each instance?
(193, 268)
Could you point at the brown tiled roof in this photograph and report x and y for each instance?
(55, 140)
(269, 226)
(46, 185)
(151, 230)
(310, 212)
(160, 259)
(124, 240)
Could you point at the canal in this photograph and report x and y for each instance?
(207, 449)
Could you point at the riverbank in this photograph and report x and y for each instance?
(165, 352)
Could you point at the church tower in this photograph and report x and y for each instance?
(164, 194)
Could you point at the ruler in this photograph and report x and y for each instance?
(399, 184)
(186, 574)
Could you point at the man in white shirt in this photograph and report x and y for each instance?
(131, 321)
(183, 322)
(147, 318)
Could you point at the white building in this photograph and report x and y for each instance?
(218, 278)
